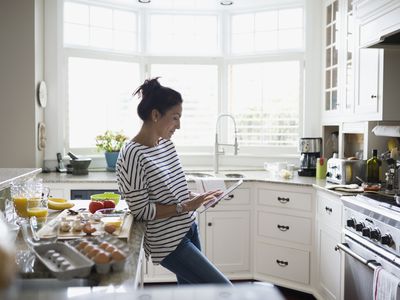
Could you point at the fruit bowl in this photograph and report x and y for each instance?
(106, 196)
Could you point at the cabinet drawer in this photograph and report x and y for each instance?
(238, 197)
(284, 199)
(282, 227)
(286, 263)
(329, 210)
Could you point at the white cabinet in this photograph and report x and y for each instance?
(227, 241)
(376, 96)
(330, 265)
(284, 235)
(338, 88)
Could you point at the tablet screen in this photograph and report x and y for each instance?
(222, 196)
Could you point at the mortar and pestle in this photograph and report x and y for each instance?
(79, 165)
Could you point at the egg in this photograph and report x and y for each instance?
(110, 249)
(117, 255)
(104, 245)
(93, 253)
(101, 258)
(82, 245)
(88, 248)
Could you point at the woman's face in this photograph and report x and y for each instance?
(169, 122)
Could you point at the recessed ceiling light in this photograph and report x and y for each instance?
(226, 2)
(144, 1)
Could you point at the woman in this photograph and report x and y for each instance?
(151, 179)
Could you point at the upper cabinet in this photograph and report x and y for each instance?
(359, 82)
(338, 52)
(377, 69)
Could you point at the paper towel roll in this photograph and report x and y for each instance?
(381, 130)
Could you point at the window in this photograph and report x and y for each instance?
(184, 34)
(267, 31)
(249, 65)
(198, 85)
(265, 100)
(99, 27)
(100, 98)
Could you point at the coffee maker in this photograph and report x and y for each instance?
(310, 149)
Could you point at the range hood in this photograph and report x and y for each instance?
(387, 41)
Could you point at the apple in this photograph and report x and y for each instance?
(95, 206)
(108, 204)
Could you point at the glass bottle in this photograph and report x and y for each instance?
(373, 167)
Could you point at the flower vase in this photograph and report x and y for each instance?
(111, 159)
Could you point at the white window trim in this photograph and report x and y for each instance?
(55, 62)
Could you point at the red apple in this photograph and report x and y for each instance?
(95, 206)
(108, 204)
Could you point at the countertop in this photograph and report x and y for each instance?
(8, 175)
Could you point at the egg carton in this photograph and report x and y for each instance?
(107, 243)
(63, 261)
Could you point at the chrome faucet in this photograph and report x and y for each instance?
(218, 152)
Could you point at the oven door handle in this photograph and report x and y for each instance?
(346, 249)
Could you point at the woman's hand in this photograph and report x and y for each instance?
(195, 202)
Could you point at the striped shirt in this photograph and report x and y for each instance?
(150, 175)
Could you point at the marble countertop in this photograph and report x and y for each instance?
(8, 175)
(110, 177)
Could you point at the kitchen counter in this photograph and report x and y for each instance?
(110, 177)
(8, 175)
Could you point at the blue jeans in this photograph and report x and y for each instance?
(189, 264)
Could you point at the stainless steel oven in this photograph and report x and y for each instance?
(372, 239)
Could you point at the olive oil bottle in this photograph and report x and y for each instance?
(373, 167)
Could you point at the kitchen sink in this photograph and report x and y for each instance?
(198, 174)
(234, 175)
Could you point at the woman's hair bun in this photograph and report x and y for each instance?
(148, 87)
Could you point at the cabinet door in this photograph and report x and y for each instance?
(369, 76)
(330, 266)
(228, 240)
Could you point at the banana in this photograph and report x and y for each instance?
(59, 205)
(59, 200)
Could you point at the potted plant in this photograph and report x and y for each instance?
(111, 142)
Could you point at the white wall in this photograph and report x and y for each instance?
(21, 68)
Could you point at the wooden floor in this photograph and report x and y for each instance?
(273, 291)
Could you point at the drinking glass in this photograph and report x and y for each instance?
(19, 196)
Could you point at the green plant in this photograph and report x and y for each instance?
(110, 141)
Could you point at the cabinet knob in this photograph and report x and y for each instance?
(328, 209)
(230, 197)
(282, 263)
(209, 224)
(374, 96)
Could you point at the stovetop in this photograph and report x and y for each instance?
(382, 199)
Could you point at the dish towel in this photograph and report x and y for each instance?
(385, 285)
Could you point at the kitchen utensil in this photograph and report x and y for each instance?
(79, 165)
(310, 149)
(344, 171)
(60, 168)
(72, 155)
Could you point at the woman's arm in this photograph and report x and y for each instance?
(165, 211)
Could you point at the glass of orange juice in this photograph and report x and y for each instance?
(37, 207)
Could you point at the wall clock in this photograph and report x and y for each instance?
(42, 94)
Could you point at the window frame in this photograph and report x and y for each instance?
(221, 61)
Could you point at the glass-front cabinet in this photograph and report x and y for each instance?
(339, 48)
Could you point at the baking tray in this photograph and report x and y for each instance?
(79, 265)
(122, 232)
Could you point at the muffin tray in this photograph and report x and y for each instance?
(63, 261)
(114, 252)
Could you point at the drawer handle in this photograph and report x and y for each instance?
(282, 227)
(282, 263)
(283, 200)
(230, 197)
(328, 209)
(373, 96)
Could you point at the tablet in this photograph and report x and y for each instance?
(219, 198)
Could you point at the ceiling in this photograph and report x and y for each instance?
(196, 4)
